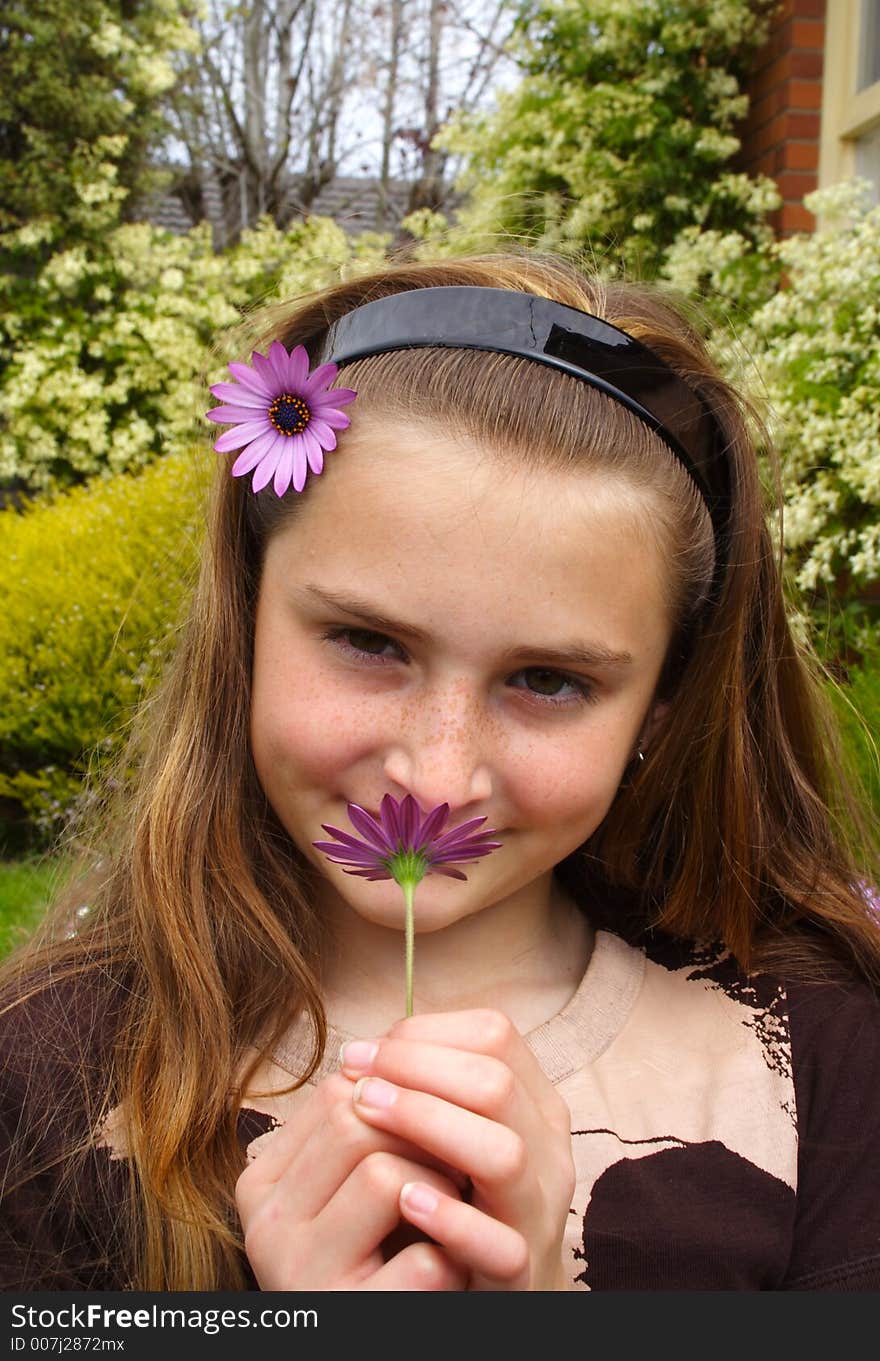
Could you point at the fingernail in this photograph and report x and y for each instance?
(418, 1198)
(357, 1054)
(372, 1091)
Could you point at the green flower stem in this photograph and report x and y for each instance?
(408, 867)
(409, 890)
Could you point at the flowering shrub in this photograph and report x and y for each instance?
(80, 108)
(107, 347)
(621, 132)
(94, 583)
(816, 346)
(809, 354)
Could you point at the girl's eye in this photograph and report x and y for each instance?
(543, 677)
(369, 646)
(361, 641)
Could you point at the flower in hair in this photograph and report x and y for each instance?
(283, 416)
(405, 845)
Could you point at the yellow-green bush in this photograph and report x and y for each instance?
(95, 583)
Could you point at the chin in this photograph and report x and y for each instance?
(438, 903)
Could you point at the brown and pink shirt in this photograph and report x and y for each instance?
(725, 1130)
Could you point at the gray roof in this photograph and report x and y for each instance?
(350, 200)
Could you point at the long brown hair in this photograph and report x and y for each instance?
(739, 826)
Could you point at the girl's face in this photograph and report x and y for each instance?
(407, 637)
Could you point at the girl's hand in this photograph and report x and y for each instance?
(319, 1200)
(464, 1087)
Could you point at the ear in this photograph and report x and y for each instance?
(653, 723)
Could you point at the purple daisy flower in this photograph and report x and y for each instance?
(283, 416)
(405, 845)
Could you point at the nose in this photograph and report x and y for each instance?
(443, 760)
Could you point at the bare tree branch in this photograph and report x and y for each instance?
(285, 92)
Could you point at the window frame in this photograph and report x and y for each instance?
(848, 114)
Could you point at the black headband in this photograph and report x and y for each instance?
(564, 338)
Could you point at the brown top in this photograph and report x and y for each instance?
(726, 1132)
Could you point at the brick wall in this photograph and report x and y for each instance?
(780, 137)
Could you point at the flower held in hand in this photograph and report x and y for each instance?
(283, 417)
(404, 845)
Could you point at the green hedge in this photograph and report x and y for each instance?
(95, 584)
(857, 705)
(26, 889)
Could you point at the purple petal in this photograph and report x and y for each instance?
(279, 360)
(433, 823)
(330, 416)
(257, 450)
(443, 848)
(266, 469)
(267, 372)
(318, 380)
(345, 837)
(450, 873)
(412, 821)
(471, 843)
(332, 396)
(314, 452)
(245, 374)
(300, 463)
(337, 855)
(371, 874)
(232, 392)
(320, 431)
(454, 857)
(284, 470)
(460, 852)
(233, 413)
(462, 832)
(392, 823)
(241, 435)
(298, 368)
(369, 827)
(349, 855)
(481, 838)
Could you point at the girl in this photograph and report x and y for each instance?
(531, 581)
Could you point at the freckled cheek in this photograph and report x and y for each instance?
(314, 737)
(299, 745)
(568, 782)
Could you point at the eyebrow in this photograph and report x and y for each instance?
(574, 654)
